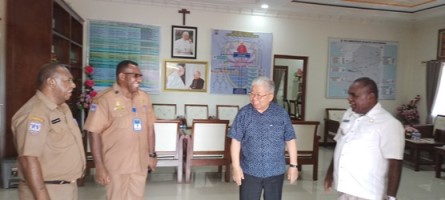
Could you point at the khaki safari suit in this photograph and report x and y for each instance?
(123, 127)
(49, 132)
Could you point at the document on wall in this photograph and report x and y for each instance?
(238, 58)
(112, 42)
(350, 59)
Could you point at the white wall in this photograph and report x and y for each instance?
(291, 36)
(425, 43)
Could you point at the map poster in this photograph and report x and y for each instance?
(112, 42)
(350, 59)
(238, 58)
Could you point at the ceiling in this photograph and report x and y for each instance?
(383, 10)
(407, 6)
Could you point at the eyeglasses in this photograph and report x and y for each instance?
(135, 75)
(257, 96)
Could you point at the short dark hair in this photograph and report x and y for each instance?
(369, 84)
(48, 70)
(124, 65)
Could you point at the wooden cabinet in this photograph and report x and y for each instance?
(38, 32)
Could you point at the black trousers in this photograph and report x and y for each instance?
(251, 187)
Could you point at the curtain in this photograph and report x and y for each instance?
(432, 78)
(277, 75)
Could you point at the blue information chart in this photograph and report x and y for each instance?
(112, 42)
(351, 59)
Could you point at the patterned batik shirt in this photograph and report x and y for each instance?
(263, 138)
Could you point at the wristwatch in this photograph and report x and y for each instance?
(153, 155)
(390, 198)
(292, 165)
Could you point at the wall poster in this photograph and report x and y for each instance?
(350, 59)
(112, 42)
(238, 58)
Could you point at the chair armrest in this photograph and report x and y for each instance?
(425, 129)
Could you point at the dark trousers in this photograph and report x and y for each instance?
(251, 187)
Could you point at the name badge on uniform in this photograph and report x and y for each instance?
(137, 124)
(55, 121)
(93, 107)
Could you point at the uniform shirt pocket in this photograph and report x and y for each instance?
(122, 118)
(60, 136)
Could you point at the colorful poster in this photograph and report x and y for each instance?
(112, 42)
(238, 58)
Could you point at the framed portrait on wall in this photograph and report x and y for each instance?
(185, 75)
(184, 42)
(441, 45)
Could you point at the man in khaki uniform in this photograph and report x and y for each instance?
(49, 144)
(120, 129)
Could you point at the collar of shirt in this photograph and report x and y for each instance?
(48, 103)
(371, 114)
(117, 90)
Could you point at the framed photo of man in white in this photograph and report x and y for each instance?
(184, 42)
(185, 75)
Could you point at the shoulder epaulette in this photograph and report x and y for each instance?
(102, 93)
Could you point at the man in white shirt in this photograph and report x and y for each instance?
(184, 45)
(176, 80)
(367, 161)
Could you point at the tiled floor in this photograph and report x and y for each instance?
(207, 184)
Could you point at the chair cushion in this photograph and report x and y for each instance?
(439, 122)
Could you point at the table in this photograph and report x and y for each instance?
(440, 153)
(416, 146)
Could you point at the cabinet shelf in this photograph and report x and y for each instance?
(37, 33)
(60, 35)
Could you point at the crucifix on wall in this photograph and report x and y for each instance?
(183, 12)
(184, 39)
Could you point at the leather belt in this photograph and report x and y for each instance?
(59, 182)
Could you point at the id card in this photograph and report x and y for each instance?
(137, 124)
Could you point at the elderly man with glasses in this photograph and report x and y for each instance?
(260, 133)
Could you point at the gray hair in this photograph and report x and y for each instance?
(266, 82)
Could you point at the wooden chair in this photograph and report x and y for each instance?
(293, 109)
(440, 154)
(286, 106)
(429, 130)
(307, 145)
(436, 132)
(164, 111)
(227, 112)
(169, 145)
(209, 146)
(195, 111)
(331, 123)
